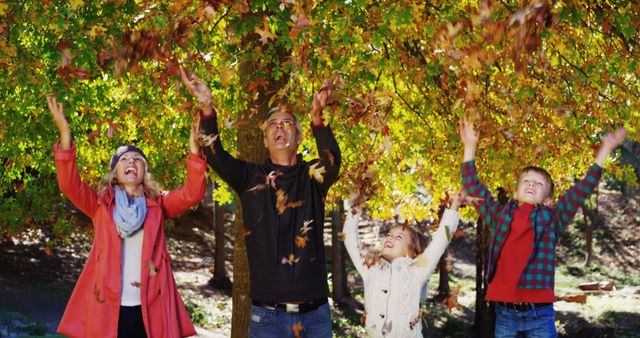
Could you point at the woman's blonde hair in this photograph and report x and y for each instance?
(150, 185)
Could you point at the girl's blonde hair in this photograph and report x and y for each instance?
(151, 187)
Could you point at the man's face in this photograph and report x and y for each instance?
(281, 132)
(532, 188)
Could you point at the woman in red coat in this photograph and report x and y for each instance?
(126, 288)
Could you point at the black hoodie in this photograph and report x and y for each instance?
(285, 245)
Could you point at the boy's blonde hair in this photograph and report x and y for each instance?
(545, 174)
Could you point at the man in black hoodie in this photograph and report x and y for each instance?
(283, 209)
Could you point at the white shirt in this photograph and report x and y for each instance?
(131, 269)
(392, 290)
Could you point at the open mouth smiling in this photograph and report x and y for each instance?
(131, 170)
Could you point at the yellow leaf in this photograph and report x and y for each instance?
(317, 173)
(75, 4)
(3, 8)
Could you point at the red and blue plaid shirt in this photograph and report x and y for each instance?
(547, 224)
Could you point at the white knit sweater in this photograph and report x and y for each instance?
(392, 290)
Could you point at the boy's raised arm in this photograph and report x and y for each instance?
(488, 207)
(572, 199)
(469, 136)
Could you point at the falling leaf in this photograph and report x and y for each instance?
(458, 234)
(48, 251)
(301, 241)
(292, 259)
(305, 227)
(297, 329)
(317, 173)
(136, 284)
(340, 235)
(330, 156)
(153, 270)
(452, 300)
(265, 32)
(75, 4)
(447, 232)
(207, 140)
(270, 181)
(246, 232)
(282, 204)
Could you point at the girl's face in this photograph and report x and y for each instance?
(130, 169)
(397, 243)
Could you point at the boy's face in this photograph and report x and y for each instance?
(532, 188)
(397, 243)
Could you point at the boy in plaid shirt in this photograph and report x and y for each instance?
(524, 233)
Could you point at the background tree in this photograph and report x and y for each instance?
(545, 78)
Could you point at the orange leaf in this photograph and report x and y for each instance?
(246, 232)
(317, 173)
(265, 32)
(297, 329)
(301, 241)
(291, 259)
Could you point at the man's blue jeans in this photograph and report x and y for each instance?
(535, 323)
(266, 323)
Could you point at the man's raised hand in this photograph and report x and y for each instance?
(198, 89)
(320, 101)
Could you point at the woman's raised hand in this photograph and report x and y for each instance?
(57, 112)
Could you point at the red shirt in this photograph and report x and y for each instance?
(512, 261)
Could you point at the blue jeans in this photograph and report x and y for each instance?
(265, 323)
(536, 323)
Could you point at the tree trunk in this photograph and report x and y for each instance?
(484, 321)
(339, 274)
(444, 267)
(220, 280)
(251, 149)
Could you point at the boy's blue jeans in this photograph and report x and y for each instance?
(535, 323)
(267, 323)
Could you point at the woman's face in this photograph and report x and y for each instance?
(130, 169)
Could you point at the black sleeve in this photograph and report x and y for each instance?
(329, 155)
(236, 173)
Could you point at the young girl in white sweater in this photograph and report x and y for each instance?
(393, 285)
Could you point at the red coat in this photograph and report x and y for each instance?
(94, 305)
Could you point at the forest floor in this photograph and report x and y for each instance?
(35, 283)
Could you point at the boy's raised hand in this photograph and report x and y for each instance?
(610, 141)
(57, 112)
(198, 89)
(470, 137)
